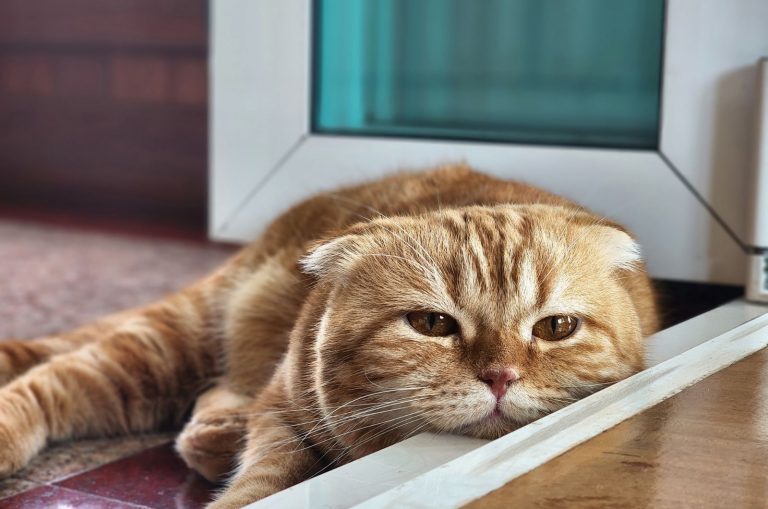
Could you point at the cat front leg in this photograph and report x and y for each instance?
(212, 438)
(273, 459)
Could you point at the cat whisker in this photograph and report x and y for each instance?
(586, 384)
(398, 423)
(387, 407)
(335, 436)
(314, 388)
(363, 397)
(323, 424)
(366, 373)
(552, 398)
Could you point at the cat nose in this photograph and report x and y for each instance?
(498, 380)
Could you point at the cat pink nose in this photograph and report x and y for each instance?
(499, 380)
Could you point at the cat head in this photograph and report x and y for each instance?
(474, 320)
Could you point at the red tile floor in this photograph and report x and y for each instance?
(153, 478)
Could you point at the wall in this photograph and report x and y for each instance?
(103, 108)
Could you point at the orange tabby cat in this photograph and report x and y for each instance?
(445, 301)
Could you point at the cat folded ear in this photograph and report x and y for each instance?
(330, 257)
(620, 249)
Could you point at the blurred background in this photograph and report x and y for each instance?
(103, 111)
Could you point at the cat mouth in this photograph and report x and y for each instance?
(494, 416)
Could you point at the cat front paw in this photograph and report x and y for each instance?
(209, 443)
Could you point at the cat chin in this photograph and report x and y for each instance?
(489, 430)
(490, 427)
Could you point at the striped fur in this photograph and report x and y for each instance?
(292, 364)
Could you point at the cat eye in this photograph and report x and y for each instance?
(556, 327)
(432, 324)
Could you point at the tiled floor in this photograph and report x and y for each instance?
(154, 478)
(64, 460)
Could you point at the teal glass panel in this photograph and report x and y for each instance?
(562, 72)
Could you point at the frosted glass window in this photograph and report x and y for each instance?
(563, 72)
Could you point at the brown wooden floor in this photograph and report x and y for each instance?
(705, 447)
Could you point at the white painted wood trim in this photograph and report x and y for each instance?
(260, 75)
(427, 454)
(709, 98)
(634, 187)
(259, 96)
(680, 338)
(360, 480)
(759, 233)
(757, 281)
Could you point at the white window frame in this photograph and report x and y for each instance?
(686, 201)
